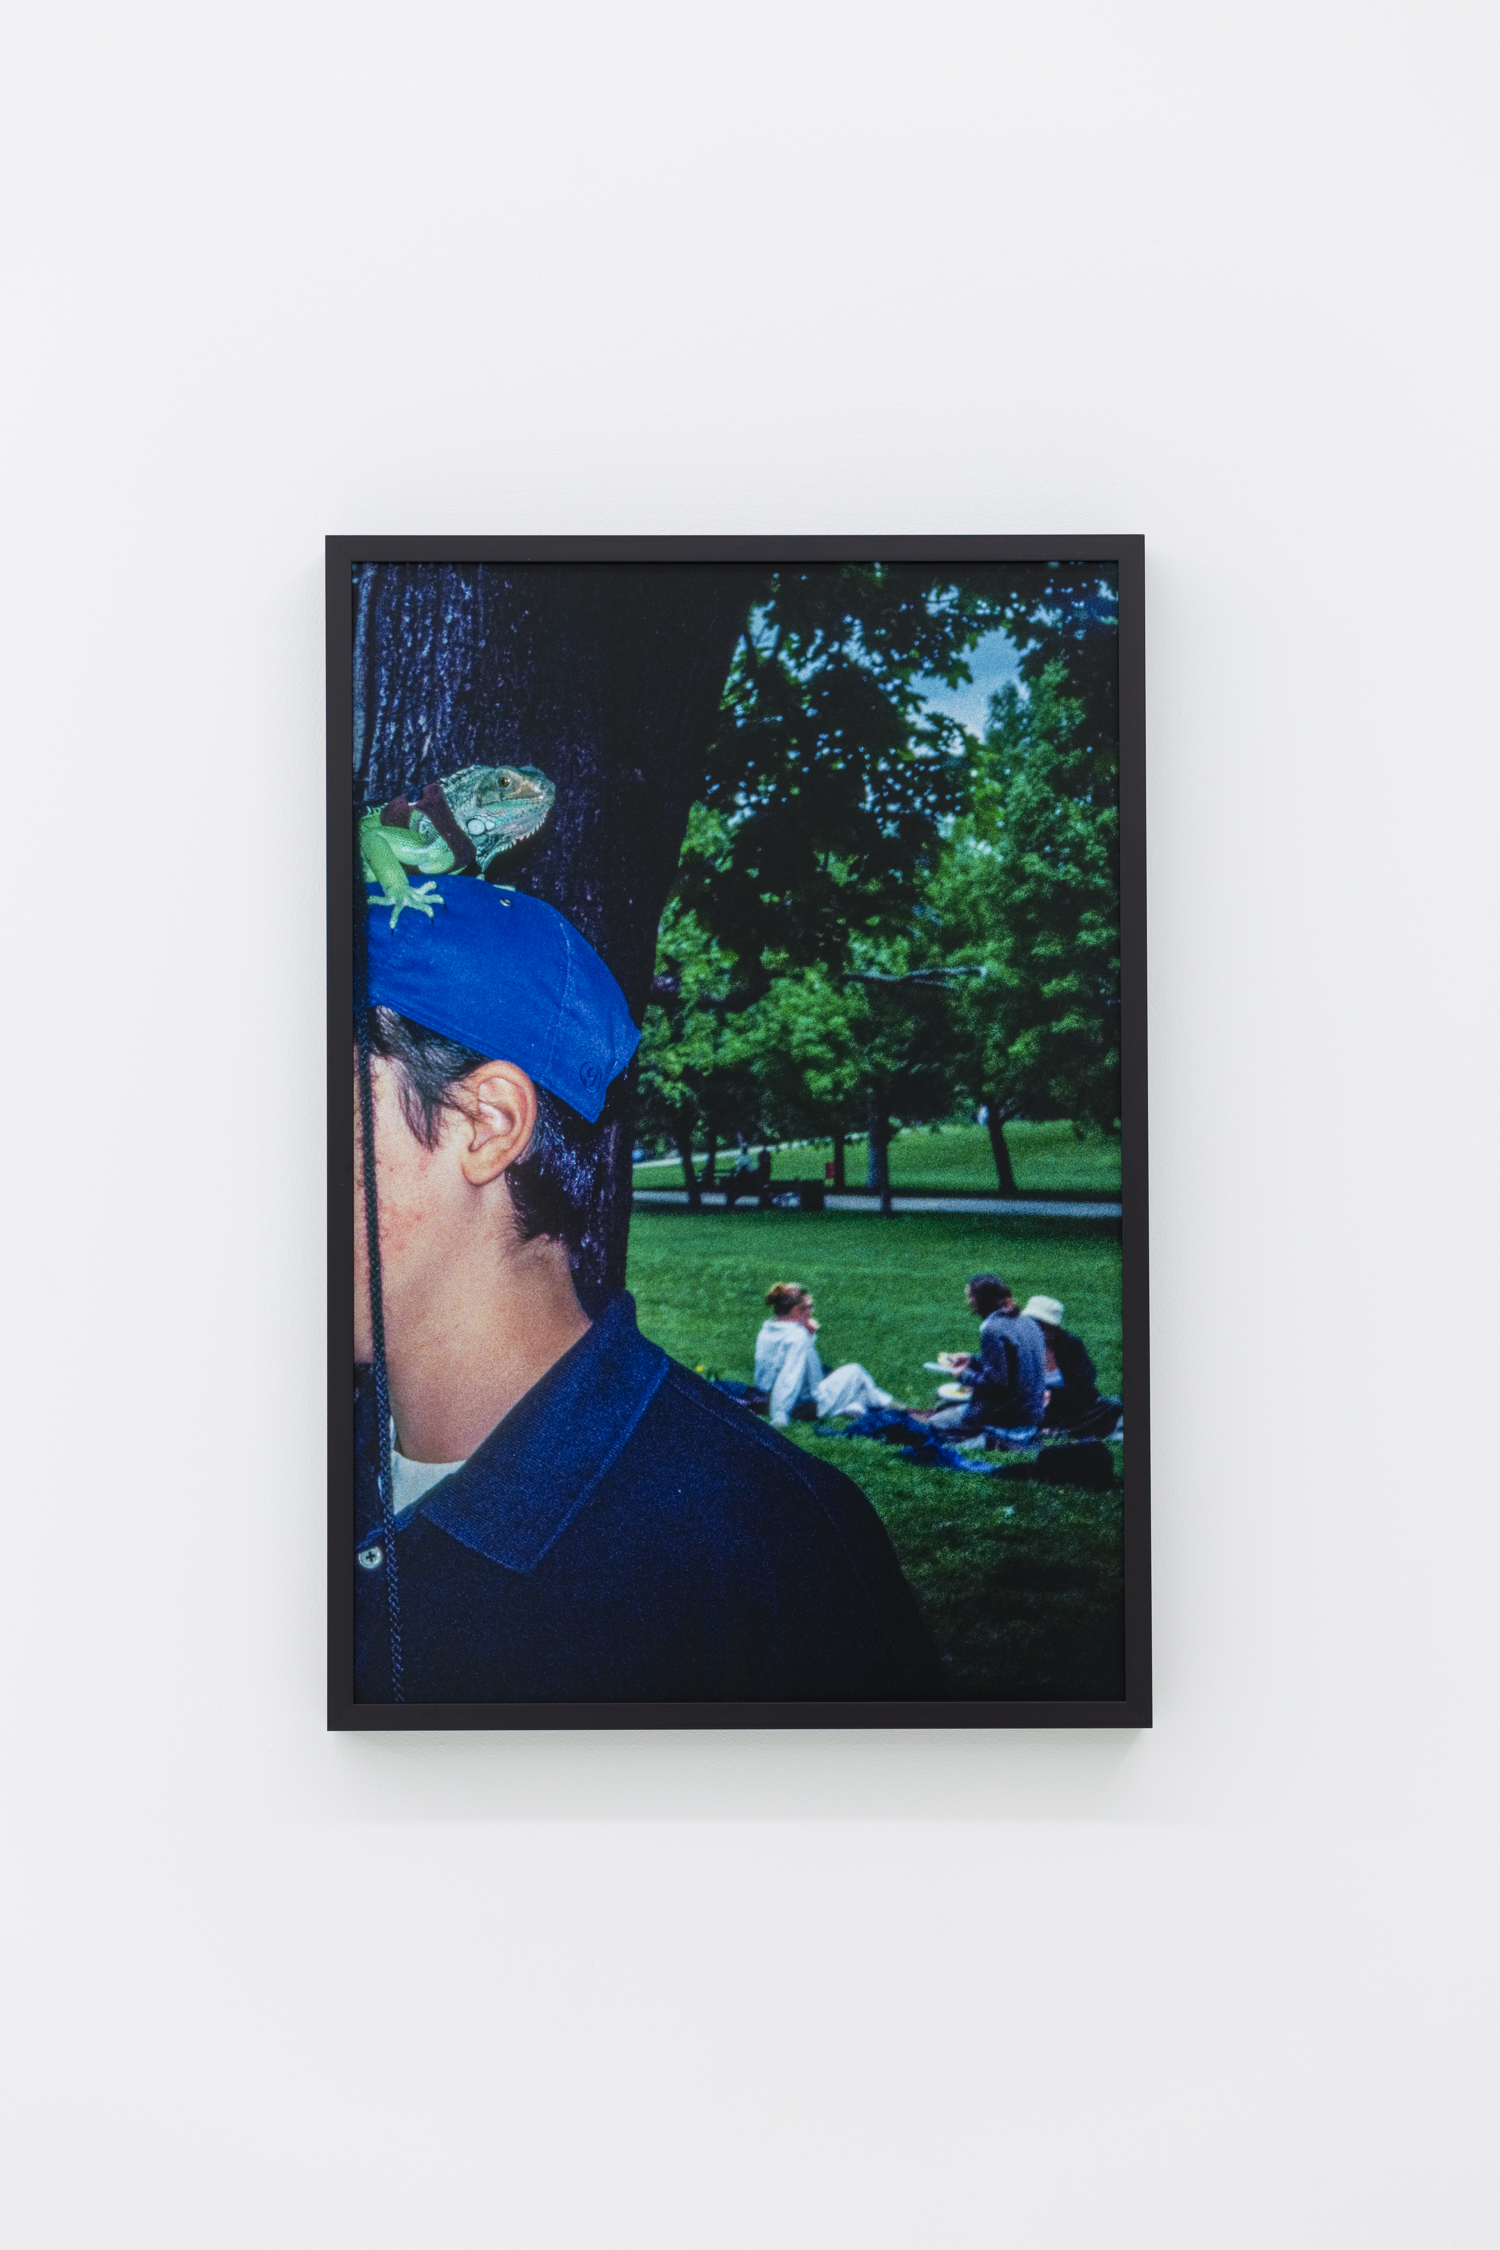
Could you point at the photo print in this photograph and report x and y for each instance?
(738, 1300)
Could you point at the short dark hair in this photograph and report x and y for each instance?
(552, 1185)
(989, 1292)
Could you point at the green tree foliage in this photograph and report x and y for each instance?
(803, 1042)
(1068, 614)
(829, 781)
(1029, 891)
(873, 1044)
(831, 774)
(814, 1055)
(696, 1066)
(853, 846)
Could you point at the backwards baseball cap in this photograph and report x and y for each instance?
(509, 977)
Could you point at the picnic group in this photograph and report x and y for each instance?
(1029, 1380)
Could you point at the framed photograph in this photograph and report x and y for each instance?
(738, 1296)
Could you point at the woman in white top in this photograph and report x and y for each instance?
(787, 1365)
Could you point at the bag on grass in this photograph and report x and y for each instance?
(1088, 1463)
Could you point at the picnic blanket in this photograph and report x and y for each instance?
(1045, 1458)
(1084, 1461)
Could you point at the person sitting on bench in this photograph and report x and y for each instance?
(743, 1180)
(788, 1369)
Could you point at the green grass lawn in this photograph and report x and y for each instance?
(1020, 1582)
(956, 1158)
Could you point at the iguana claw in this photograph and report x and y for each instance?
(423, 896)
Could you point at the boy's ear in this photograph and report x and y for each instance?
(499, 1118)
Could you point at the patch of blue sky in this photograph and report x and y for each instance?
(992, 661)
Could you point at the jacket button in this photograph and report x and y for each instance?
(371, 1558)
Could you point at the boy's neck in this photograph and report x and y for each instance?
(467, 1360)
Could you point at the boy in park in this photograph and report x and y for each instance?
(548, 1508)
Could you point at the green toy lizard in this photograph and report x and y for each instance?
(458, 824)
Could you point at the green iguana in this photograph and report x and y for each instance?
(457, 824)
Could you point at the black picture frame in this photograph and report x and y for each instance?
(1127, 554)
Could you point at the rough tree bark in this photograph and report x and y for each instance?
(606, 675)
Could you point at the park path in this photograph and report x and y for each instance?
(972, 1206)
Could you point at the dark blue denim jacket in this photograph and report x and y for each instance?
(626, 1534)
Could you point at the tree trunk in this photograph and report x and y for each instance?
(683, 1137)
(606, 675)
(999, 1115)
(711, 1167)
(878, 1128)
(838, 1163)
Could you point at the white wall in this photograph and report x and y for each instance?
(1218, 275)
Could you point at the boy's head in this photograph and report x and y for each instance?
(551, 1184)
(494, 1032)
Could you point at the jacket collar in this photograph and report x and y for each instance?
(539, 1466)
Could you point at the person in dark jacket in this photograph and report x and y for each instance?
(626, 1534)
(1008, 1372)
(1073, 1401)
(565, 1515)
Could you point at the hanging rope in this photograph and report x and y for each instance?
(363, 1018)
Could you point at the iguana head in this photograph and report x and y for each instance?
(497, 807)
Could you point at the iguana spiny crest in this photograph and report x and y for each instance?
(459, 824)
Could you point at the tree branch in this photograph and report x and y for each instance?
(929, 980)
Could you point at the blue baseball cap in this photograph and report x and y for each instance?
(509, 977)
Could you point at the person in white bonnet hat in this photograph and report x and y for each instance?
(1072, 1385)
